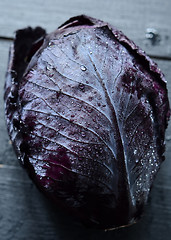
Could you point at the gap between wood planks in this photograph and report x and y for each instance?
(6, 38)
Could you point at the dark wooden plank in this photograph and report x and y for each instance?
(131, 16)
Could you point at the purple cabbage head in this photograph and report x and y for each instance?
(86, 111)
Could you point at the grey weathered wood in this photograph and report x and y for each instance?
(131, 16)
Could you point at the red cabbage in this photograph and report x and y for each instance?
(86, 111)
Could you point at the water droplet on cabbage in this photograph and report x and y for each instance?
(83, 68)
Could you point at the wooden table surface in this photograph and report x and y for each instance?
(24, 212)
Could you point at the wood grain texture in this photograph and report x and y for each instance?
(24, 212)
(131, 16)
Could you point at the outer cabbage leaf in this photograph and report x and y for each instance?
(86, 112)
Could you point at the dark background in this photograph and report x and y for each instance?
(24, 212)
